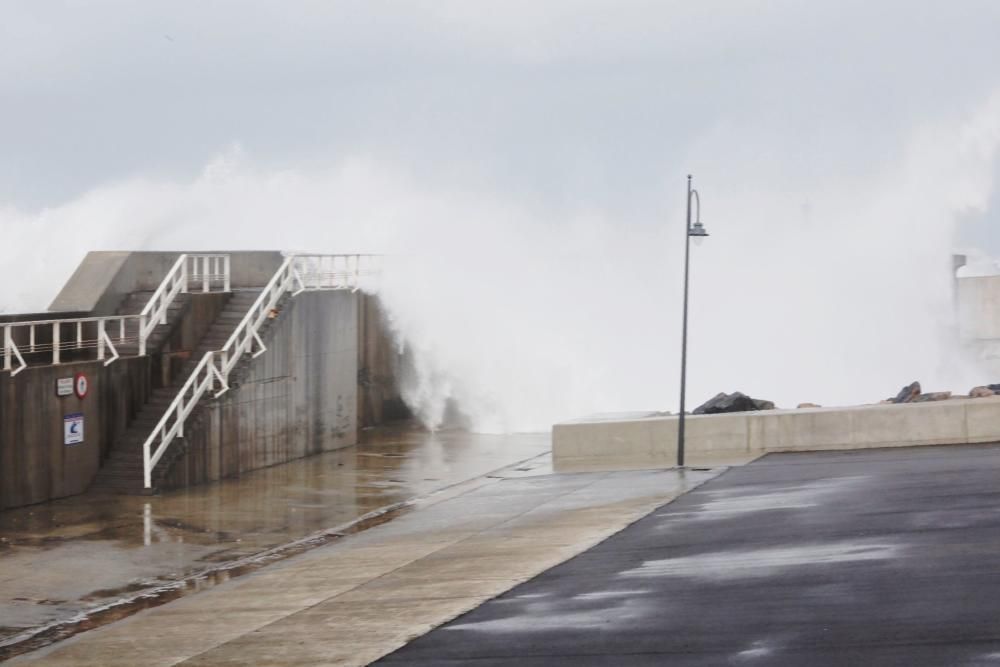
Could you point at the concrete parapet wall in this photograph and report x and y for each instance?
(652, 441)
(104, 278)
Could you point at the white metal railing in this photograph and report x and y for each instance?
(103, 334)
(296, 274)
(200, 270)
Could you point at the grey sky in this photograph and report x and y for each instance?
(527, 158)
(553, 101)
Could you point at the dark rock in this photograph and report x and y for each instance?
(994, 387)
(933, 396)
(908, 393)
(734, 402)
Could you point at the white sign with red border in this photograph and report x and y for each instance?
(80, 385)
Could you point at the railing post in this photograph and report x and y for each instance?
(55, 343)
(205, 275)
(147, 477)
(226, 271)
(142, 335)
(100, 340)
(184, 275)
(6, 349)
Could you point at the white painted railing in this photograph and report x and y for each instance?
(54, 337)
(296, 274)
(202, 379)
(190, 273)
(201, 271)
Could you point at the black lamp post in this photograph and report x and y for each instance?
(696, 231)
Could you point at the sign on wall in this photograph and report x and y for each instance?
(73, 429)
(81, 385)
(64, 386)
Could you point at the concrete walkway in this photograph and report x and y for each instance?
(75, 562)
(353, 601)
(881, 557)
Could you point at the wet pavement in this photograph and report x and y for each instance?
(347, 603)
(878, 557)
(62, 559)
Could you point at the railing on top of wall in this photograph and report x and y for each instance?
(191, 272)
(55, 337)
(296, 274)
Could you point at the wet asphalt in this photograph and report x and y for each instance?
(880, 557)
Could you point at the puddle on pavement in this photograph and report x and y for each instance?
(67, 564)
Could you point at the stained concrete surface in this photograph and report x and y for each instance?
(880, 557)
(355, 600)
(63, 558)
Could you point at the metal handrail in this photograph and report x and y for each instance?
(213, 267)
(202, 379)
(101, 340)
(191, 269)
(216, 366)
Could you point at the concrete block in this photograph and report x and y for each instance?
(982, 418)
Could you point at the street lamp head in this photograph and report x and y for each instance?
(697, 230)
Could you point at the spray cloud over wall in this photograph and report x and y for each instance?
(534, 226)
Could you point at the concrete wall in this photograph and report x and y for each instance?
(379, 399)
(297, 399)
(104, 278)
(652, 442)
(35, 465)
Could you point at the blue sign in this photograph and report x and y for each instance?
(73, 429)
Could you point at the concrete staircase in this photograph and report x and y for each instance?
(122, 471)
(133, 305)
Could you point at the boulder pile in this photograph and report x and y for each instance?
(734, 402)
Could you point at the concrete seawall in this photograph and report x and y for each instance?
(652, 441)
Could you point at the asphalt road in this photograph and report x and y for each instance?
(880, 557)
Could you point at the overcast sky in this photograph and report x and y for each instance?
(554, 99)
(533, 153)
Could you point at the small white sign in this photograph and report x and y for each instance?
(64, 386)
(73, 429)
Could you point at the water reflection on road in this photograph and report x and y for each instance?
(66, 556)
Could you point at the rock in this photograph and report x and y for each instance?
(994, 387)
(734, 402)
(808, 405)
(908, 393)
(981, 392)
(933, 396)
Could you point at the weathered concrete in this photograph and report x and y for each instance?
(882, 557)
(379, 399)
(351, 602)
(652, 441)
(297, 399)
(35, 465)
(104, 278)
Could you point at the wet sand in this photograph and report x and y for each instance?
(61, 559)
